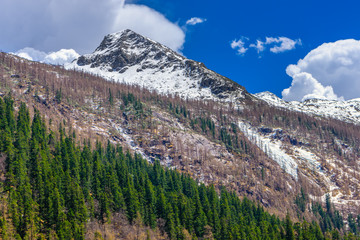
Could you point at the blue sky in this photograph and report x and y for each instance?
(314, 22)
(49, 26)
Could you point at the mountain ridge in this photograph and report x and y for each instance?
(348, 111)
(133, 59)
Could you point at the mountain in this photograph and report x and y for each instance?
(130, 58)
(310, 142)
(348, 111)
(287, 160)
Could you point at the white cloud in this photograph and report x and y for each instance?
(304, 86)
(259, 46)
(81, 25)
(195, 20)
(239, 46)
(149, 23)
(277, 45)
(57, 58)
(335, 65)
(31, 54)
(286, 44)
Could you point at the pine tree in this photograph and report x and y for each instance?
(199, 216)
(289, 228)
(111, 98)
(150, 217)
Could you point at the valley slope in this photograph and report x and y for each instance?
(313, 142)
(166, 107)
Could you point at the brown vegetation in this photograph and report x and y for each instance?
(81, 102)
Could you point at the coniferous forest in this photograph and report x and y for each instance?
(53, 186)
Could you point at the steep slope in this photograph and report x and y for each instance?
(58, 188)
(130, 58)
(264, 152)
(348, 111)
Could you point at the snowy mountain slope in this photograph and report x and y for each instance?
(348, 111)
(136, 60)
(305, 160)
(133, 59)
(274, 161)
(130, 58)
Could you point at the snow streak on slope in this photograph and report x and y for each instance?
(133, 59)
(271, 148)
(348, 111)
(293, 159)
(288, 157)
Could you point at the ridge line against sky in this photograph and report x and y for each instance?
(208, 34)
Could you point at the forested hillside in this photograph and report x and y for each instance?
(99, 159)
(52, 188)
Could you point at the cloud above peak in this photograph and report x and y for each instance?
(286, 44)
(81, 25)
(150, 23)
(259, 46)
(304, 86)
(275, 45)
(334, 69)
(195, 20)
(239, 46)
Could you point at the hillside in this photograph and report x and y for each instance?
(265, 153)
(314, 142)
(58, 181)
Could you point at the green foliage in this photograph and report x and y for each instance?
(131, 104)
(58, 95)
(329, 218)
(301, 200)
(111, 98)
(179, 111)
(54, 186)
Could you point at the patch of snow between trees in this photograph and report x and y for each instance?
(271, 148)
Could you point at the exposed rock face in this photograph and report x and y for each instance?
(134, 59)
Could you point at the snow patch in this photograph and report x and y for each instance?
(272, 148)
(348, 111)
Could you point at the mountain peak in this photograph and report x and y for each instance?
(266, 93)
(127, 33)
(269, 97)
(129, 57)
(118, 40)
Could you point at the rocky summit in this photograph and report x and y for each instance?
(130, 58)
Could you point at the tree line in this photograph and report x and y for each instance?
(53, 186)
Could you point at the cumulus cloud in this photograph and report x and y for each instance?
(334, 69)
(195, 20)
(57, 58)
(304, 87)
(81, 25)
(276, 44)
(239, 46)
(286, 44)
(150, 23)
(259, 46)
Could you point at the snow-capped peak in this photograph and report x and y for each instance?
(268, 96)
(348, 111)
(131, 58)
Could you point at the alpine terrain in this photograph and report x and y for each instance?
(135, 141)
